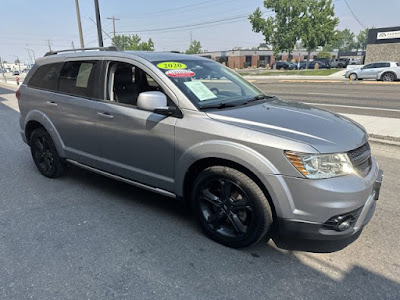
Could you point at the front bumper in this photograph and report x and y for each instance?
(326, 231)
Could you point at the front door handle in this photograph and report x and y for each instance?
(51, 103)
(105, 115)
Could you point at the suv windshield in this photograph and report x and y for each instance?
(209, 84)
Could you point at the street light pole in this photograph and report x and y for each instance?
(78, 16)
(98, 21)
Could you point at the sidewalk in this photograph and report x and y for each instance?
(380, 129)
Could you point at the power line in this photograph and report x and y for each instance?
(354, 14)
(173, 9)
(208, 23)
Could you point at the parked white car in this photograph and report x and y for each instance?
(386, 71)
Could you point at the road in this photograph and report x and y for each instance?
(361, 98)
(84, 236)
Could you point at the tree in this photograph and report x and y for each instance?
(282, 30)
(343, 40)
(17, 61)
(318, 25)
(133, 42)
(324, 54)
(194, 48)
(362, 39)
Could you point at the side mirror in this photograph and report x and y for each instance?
(157, 102)
(151, 100)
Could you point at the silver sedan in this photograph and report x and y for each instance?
(386, 71)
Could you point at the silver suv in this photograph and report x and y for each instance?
(190, 128)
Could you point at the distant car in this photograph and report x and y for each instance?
(15, 73)
(311, 65)
(355, 61)
(284, 65)
(378, 71)
(339, 62)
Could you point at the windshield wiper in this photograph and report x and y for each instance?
(258, 97)
(218, 105)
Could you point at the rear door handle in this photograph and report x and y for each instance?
(105, 115)
(51, 103)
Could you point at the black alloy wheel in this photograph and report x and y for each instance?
(45, 155)
(231, 207)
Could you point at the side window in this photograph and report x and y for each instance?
(46, 77)
(385, 65)
(370, 66)
(77, 78)
(125, 82)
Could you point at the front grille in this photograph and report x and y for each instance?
(361, 159)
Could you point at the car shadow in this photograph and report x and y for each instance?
(5, 90)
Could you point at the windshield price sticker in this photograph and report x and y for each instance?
(180, 73)
(170, 65)
(200, 90)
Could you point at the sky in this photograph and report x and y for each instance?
(217, 24)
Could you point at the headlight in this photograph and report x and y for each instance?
(320, 166)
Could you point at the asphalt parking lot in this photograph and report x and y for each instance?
(85, 236)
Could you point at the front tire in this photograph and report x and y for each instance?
(353, 77)
(44, 154)
(230, 207)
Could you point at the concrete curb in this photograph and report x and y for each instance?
(384, 142)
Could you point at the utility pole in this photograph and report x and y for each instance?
(113, 20)
(2, 71)
(78, 16)
(98, 21)
(29, 55)
(49, 44)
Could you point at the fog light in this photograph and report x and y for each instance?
(344, 225)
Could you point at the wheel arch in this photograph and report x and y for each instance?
(202, 164)
(36, 119)
(387, 72)
(229, 154)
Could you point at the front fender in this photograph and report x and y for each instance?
(252, 160)
(41, 118)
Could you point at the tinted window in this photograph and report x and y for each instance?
(398, 64)
(382, 65)
(370, 66)
(46, 77)
(77, 78)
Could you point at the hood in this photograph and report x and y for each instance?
(325, 131)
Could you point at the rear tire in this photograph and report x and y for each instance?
(388, 77)
(44, 154)
(230, 207)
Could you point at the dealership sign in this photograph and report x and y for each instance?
(388, 35)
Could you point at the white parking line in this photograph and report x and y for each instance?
(355, 107)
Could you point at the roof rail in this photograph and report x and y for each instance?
(111, 48)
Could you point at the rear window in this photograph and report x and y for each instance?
(398, 64)
(46, 77)
(77, 78)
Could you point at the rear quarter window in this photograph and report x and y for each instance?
(46, 77)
